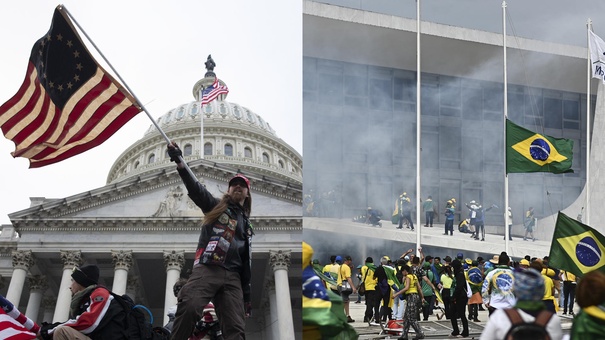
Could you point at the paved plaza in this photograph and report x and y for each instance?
(433, 329)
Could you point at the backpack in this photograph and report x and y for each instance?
(136, 325)
(528, 330)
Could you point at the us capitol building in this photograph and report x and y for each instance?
(141, 228)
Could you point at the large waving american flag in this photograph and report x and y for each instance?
(67, 103)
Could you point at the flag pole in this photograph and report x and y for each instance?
(63, 8)
(506, 231)
(588, 79)
(418, 128)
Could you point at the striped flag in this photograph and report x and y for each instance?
(67, 103)
(213, 91)
(13, 324)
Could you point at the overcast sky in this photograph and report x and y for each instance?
(159, 48)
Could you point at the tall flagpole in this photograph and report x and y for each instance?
(506, 231)
(588, 79)
(418, 128)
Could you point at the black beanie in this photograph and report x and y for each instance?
(369, 260)
(86, 275)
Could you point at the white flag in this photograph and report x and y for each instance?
(597, 56)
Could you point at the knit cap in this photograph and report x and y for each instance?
(529, 285)
(86, 275)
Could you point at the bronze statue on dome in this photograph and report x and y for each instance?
(210, 65)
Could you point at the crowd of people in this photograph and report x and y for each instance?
(520, 297)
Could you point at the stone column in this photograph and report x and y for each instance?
(174, 262)
(280, 262)
(71, 259)
(37, 286)
(133, 286)
(274, 316)
(122, 261)
(22, 261)
(48, 302)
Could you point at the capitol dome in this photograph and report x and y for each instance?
(233, 135)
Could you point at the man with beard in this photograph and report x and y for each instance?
(221, 269)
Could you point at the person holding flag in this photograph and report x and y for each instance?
(222, 265)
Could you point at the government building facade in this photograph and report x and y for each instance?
(141, 228)
(359, 111)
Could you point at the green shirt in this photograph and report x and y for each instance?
(427, 205)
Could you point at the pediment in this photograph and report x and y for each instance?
(162, 195)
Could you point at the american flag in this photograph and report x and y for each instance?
(67, 103)
(213, 91)
(13, 324)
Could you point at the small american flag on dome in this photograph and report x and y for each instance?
(212, 92)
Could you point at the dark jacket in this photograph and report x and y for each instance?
(96, 314)
(226, 242)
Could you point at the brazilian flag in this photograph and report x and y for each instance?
(576, 247)
(527, 151)
(323, 315)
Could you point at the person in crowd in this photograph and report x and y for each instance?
(414, 300)
(373, 217)
(589, 323)
(344, 275)
(436, 266)
(549, 287)
(475, 279)
(509, 222)
(331, 269)
(497, 290)
(398, 301)
(528, 223)
(222, 265)
(405, 207)
(480, 221)
(569, 291)
(447, 278)
(94, 314)
(359, 280)
(429, 211)
(529, 288)
(428, 291)
(384, 289)
(459, 301)
(523, 264)
(472, 215)
(450, 212)
(372, 295)
(176, 288)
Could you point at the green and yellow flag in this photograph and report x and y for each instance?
(527, 151)
(576, 247)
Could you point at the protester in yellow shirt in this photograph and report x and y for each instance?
(549, 286)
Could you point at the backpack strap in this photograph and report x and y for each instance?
(514, 316)
(543, 318)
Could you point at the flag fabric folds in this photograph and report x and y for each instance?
(13, 324)
(67, 103)
(527, 151)
(576, 247)
(323, 314)
(212, 92)
(597, 56)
